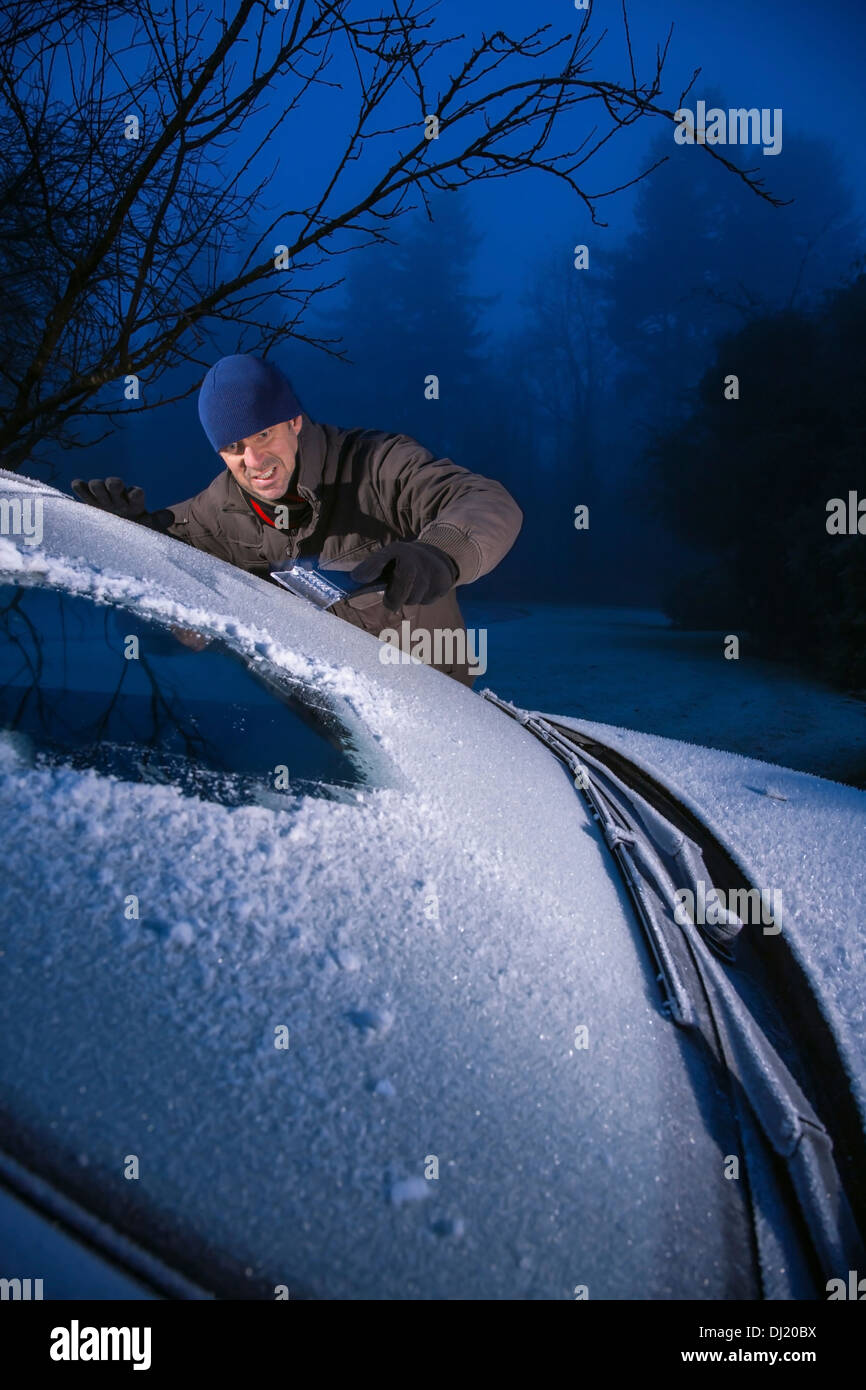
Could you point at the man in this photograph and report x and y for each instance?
(376, 505)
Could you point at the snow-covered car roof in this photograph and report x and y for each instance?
(447, 1041)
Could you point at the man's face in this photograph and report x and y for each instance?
(264, 463)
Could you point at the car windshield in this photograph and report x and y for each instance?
(94, 686)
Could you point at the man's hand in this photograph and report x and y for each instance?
(415, 573)
(112, 495)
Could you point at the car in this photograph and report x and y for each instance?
(330, 978)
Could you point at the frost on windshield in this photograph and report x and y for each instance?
(96, 686)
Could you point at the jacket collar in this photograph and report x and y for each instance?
(312, 447)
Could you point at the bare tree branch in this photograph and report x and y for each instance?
(127, 256)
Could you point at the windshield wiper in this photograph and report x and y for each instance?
(650, 850)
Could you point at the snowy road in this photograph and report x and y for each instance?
(628, 667)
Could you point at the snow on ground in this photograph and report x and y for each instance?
(630, 667)
(802, 835)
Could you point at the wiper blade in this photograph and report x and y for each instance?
(633, 829)
(634, 856)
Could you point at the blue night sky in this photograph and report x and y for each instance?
(804, 58)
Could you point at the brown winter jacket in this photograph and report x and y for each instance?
(366, 488)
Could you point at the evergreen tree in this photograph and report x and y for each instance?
(746, 483)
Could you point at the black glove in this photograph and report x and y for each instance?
(415, 573)
(112, 495)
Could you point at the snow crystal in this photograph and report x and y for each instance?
(383, 1087)
(413, 1189)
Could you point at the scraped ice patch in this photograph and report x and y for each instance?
(371, 709)
(151, 599)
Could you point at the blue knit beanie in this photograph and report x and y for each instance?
(240, 396)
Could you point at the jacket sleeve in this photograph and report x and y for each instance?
(189, 525)
(472, 518)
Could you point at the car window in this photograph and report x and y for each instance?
(97, 686)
